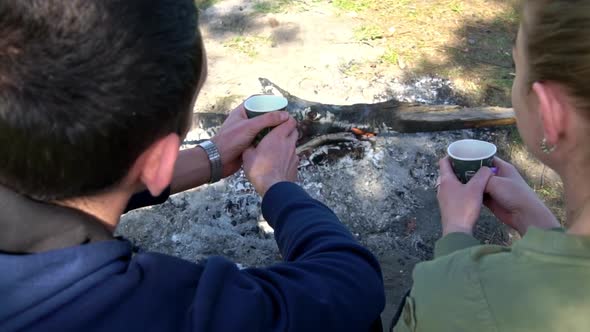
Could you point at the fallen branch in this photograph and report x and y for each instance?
(317, 119)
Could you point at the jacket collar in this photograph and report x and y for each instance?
(28, 226)
(555, 242)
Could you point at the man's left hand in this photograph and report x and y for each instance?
(237, 134)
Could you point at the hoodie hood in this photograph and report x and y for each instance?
(49, 254)
(28, 226)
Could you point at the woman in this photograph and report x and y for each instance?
(540, 283)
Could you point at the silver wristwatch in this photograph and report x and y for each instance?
(214, 159)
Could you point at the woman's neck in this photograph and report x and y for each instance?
(577, 196)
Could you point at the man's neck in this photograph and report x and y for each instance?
(107, 208)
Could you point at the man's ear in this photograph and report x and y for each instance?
(156, 165)
(553, 106)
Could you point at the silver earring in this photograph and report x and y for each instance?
(546, 148)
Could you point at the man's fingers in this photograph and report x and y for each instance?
(281, 132)
(285, 129)
(269, 120)
(293, 136)
(248, 154)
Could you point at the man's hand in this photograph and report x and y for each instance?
(237, 134)
(514, 202)
(274, 160)
(460, 204)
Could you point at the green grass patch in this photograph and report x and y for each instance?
(247, 45)
(270, 6)
(511, 16)
(502, 82)
(204, 4)
(353, 5)
(350, 68)
(514, 137)
(468, 42)
(456, 6)
(549, 192)
(368, 33)
(390, 56)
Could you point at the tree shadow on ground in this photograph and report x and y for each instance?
(482, 48)
(244, 19)
(472, 48)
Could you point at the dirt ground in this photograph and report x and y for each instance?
(385, 196)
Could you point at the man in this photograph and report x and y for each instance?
(95, 97)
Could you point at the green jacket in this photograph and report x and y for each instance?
(541, 283)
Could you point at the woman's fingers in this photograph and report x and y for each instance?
(480, 180)
(505, 169)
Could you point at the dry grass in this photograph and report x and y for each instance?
(469, 42)
(247, 45)
(271, 6)
(204, 4)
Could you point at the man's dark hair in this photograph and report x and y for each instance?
(86, 86)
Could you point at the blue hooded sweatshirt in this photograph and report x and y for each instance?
(61, 271)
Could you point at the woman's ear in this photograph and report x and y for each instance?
(553, 107)
(156, 165)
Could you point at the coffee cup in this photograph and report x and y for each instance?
(261, 104)
(469, 155)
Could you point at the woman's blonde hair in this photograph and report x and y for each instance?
(558, 45)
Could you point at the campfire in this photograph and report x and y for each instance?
(341, 128)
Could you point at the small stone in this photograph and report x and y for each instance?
(273, 22)
(401, 63)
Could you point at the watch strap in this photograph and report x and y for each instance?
(214, 159)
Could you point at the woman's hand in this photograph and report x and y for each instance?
(514, 203)
(237, 134)
(274, 160)
(460, 204)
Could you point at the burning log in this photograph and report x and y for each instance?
(326, 139)
(317, 119)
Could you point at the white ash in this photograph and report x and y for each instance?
(374, 196)
(425, 90)
(196, 135)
